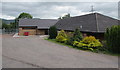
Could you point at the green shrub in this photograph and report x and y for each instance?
(104, 47)
(52, 32)
(74, 36)
(112, 37)
(77, 35)
(61, 37)
(69, 41)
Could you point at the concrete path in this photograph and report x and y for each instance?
(35, 52)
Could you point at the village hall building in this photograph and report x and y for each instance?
(94, 24)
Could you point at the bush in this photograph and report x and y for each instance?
(61, 37)
(112, 37)
(77, 35)
(104, 47)
(89, 43)
(52, 32)
(69, 41)
(89, 39)
(75, 43)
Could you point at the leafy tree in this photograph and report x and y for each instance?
(25, 15)
(65, 16)
(4, 25)
(21, 16)
(52, 32)
(13, 25)
(112, 37)
(59, 18)
(7, 27)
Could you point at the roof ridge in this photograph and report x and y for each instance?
(97, 22)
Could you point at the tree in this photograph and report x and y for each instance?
(4, 25)
(77, 35)
(22, 16)
(9, 27)
(65, 16)
(112, 37)
(25, 15)
(52, 32)
(13, 25)
(59, 18)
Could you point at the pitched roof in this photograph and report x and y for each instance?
(93, 22)
(40, 23)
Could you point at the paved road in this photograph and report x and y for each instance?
(35, 52)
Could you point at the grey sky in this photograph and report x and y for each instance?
(53, 10)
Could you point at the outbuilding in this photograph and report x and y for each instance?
(35, 26)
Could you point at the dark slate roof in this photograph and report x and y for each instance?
(93, 22)
(40, 23)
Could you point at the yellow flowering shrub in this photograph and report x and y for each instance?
(89, 39)
(61, 37)
(95, 44)
(75, 43)
(81, 44)
(89, 42)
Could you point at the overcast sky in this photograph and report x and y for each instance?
(53, 10)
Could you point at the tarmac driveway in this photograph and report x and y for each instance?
(35, 52)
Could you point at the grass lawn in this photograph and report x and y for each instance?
(101, 52)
